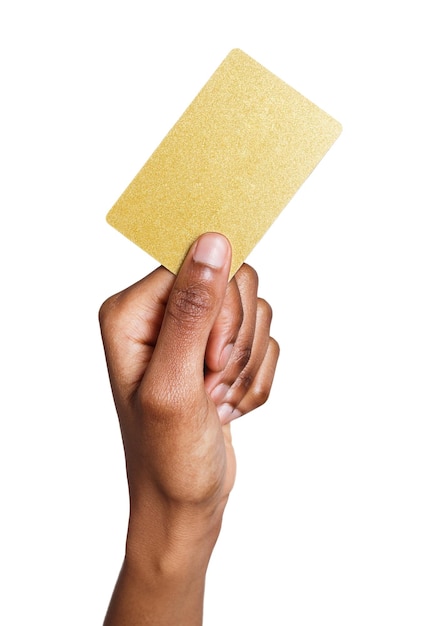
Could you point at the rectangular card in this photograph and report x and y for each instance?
(230, 164)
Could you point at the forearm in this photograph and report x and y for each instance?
(163, 575)
(142, 599)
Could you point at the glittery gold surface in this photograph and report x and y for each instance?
(230, 164)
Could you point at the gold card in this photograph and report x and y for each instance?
(230, 164)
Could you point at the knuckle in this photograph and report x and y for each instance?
(107, 311)
(265, 310)
(245, 380)
(247, 273)
(191, 303)
(274, 346)
(260, 394)
(241, 356)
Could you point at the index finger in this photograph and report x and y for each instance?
(225, 329)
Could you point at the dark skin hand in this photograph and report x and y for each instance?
(186, 356)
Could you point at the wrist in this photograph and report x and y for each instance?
(172, 540)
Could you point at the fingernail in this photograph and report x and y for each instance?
(219, 393)
(224, 411)
(236, 414)
(211, 249)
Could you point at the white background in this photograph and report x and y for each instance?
(325, 525)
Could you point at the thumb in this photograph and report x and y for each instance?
(193, 305)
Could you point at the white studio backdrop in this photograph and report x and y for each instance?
(325, 523)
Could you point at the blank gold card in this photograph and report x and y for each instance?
(230, 164)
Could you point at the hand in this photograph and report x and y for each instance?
(186, 356)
